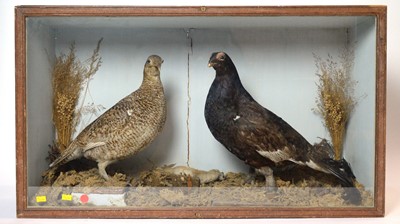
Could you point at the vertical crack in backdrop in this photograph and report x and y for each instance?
(189, 42)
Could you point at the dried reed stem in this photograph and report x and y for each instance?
(69, 76)
(335, 100)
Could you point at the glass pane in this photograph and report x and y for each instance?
(277, 61)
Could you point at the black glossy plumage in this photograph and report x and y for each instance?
(256, 135)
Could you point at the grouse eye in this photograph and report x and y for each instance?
(222, 58)
(148, 61)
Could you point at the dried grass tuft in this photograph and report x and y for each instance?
(335, 100)
(70, 75)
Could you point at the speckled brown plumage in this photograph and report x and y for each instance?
(127, 127)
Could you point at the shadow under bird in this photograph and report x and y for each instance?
(259, 137)
(126, 128)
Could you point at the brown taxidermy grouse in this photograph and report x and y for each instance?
(127, 127)
(259, 137)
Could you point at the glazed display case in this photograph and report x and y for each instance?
(281, 54)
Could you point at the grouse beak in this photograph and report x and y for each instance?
(211, 63)
(159, 65)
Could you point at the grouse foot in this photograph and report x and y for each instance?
(269, 177)
(102, 168)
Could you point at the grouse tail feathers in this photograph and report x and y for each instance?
(66, 155)
(342, 170)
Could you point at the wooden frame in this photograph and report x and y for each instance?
(23, 12)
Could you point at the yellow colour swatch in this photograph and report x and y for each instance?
(41, 199)
(66, 197)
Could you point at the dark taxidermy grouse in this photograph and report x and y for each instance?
(258, 136)
(126, 128)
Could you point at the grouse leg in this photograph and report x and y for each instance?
(269, 177)
(251, 178)
(102, 168)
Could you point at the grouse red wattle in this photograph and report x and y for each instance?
(259, 137)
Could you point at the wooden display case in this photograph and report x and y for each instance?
(273, 50)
